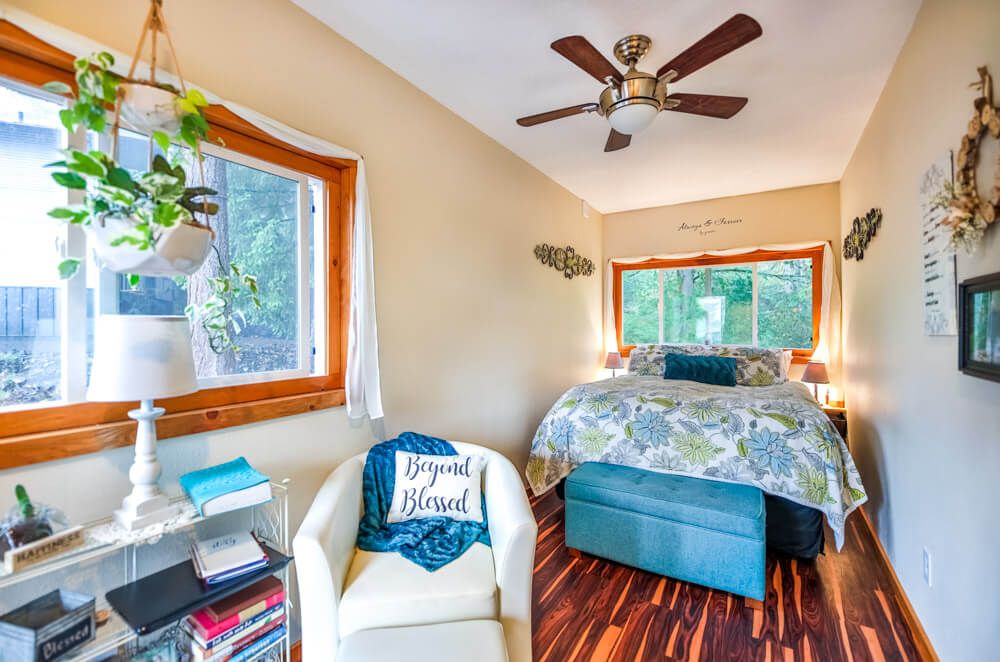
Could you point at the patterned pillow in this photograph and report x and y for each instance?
(719, 370)
(755, 366)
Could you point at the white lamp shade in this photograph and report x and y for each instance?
(632, 118)
(141, 357)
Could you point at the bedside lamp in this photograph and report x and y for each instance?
(814, 374)
(613, 362)
(142, 357)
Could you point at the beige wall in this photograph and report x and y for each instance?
(925, 436)
(477, 339)
(804, 213)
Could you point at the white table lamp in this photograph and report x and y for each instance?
(142, 357)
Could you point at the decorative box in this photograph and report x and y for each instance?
(47, 628)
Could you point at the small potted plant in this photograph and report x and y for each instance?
(145, 224)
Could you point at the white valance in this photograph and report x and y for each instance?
(828, 346)
(362, 380)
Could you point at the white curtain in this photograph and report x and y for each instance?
(362, 381)
(828, 346)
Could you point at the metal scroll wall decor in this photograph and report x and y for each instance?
(861, 234)
(565, 260)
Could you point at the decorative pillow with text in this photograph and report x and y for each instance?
(437, 486)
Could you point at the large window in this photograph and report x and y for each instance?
(765, 299)
(284, 217)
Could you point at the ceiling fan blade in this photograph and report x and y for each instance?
(617, 141)
(707, 104)
(532, 120)
(737, 31)
(582, 53)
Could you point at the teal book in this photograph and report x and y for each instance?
(226, 487)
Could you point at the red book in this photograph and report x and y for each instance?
(237, 602)
(209, 629)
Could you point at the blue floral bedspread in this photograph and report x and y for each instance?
(775, 437)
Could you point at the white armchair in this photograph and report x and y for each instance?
(346, 593)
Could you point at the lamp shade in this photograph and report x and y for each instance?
(614, 361)
(141, 357)
(815, 373)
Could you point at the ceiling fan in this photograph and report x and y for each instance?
(631, 100)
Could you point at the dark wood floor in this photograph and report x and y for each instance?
(840, 607)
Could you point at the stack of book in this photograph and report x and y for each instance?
(227, 557)
(240, 626)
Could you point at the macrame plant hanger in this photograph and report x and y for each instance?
(154, 24)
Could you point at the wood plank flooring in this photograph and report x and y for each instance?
(840, 607)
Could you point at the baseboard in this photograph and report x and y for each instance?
(920, 638)
(296, 655)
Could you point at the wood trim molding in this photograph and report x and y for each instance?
(58, 444)
(296, 654)
(920, 638)
(798, 355)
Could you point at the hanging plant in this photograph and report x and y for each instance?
(151, 223)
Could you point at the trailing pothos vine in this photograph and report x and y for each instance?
(150, 202)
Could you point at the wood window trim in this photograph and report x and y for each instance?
(816, 254)
(48, 433)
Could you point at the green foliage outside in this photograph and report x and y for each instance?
(717, 304)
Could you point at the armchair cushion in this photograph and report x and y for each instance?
(482, 641)
(383, 589)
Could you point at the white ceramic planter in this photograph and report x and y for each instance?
(180, 250)
(147, 108)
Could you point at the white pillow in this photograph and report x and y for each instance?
(437, 486)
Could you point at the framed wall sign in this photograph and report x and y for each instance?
(979, 327)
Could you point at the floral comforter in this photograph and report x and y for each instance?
(776, 438)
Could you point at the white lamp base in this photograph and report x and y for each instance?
(146, 504)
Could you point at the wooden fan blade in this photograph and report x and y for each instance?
(532, 120)
(736, 32)
(582, 53)
(617, 141)
(707, 104)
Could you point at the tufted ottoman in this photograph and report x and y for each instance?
(697, 530)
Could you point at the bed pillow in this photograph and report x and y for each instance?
(437, 486)
(755, 366)
(718, 370)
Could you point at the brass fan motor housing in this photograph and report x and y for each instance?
(638, 87)
(632, 48)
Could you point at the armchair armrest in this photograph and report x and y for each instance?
(323, 548)
(513, 533)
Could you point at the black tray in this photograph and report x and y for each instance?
(171, 594)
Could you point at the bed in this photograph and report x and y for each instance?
(774, 436)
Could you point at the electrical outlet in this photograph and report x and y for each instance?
(927, 567)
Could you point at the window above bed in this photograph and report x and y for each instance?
(764, 299)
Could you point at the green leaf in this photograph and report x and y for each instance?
(105, 59)
(160, 165)
(856, 495)
(256, 302)
(120, 178)
(551, 445)
(628, 430)
(109, 88)
(569, 404)
(168, 214)
(162, 140)
(69, 180)
(58, 87)
(741, 448)
(84, 163)
(68, 119)
(62, 213)
(664, 402)
(133, 280)
(197, 98)
(787, 421)
(81, 63)
(235, 269)
(189, 136)
(754, 412)
(68, 267)
(186, 105)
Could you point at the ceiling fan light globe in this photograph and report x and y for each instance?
(632, 118)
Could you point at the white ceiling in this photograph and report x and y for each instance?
(812, 79)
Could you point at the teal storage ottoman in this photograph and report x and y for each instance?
(697, 530)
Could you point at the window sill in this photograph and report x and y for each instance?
(58, 444)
